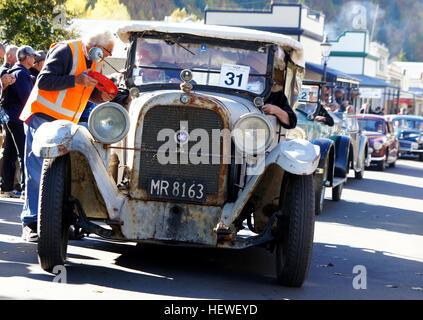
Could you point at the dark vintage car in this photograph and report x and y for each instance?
(194, 159)
(409, 131)
(384, 145)
(337, 149)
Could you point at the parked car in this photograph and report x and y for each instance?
(384, 145)
(335, 148)
(409, 131)
(195, 160)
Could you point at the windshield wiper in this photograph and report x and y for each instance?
(168, 39)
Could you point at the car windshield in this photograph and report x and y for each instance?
(308, 98)
(159, 61)
(372, 125)
(408, 124)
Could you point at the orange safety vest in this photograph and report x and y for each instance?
(65, 104)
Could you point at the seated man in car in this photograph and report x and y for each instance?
(278, 105)
(150, 55)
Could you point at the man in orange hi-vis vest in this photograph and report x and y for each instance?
(61, 91)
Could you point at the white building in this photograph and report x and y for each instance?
(353, 53)
(294, 20)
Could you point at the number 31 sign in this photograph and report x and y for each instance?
(234, 76)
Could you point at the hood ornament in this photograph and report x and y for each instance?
(186, 76)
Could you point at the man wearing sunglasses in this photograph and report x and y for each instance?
(61, 91)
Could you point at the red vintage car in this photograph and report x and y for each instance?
(384, 145)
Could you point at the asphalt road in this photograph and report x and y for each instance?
(367, 246)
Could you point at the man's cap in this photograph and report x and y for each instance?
(24, 52)
(41, 57)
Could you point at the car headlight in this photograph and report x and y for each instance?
(377, 145)
(252, 133)
(108, 122)
(296, 133)
(414, 146)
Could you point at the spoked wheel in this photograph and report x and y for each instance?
(53, 217)
(296, 227)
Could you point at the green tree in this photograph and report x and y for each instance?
(37, 23)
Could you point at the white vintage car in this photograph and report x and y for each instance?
(193, 161)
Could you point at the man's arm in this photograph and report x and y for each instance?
(55, 74)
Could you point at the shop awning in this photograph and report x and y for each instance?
(332, 75)
(366, 81)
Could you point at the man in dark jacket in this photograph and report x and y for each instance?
(16, 96)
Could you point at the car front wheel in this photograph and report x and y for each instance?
(296, 230)
(53, 222)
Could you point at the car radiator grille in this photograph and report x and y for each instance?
(169, 117)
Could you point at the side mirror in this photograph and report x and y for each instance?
(95, 54)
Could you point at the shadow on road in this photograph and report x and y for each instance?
(369, 216)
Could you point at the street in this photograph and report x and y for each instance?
(367, 246)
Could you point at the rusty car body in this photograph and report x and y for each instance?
(226, 193)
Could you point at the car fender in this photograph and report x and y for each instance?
(297, 156)
(57, 138)
(342, 145)
(325, 146)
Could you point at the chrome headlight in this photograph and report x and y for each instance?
(296, 133)
(252, 133)
(377, 145)
(108, 122)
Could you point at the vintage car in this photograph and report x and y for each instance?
(194, 161)
(383, 143)
(409, 131)
(335, 148)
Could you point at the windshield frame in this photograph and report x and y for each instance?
(178, 38)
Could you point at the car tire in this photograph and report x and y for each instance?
(421, 157)
(296, 228)
(337, 192)
(53, 224)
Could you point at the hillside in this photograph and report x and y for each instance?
(397, 23)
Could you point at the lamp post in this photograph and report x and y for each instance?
(325, 47)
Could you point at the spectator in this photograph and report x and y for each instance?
(334, 107)
(403, 111)
(62, 91)
(365, 108)
(38, 65)
(10, 59)
(16, 97)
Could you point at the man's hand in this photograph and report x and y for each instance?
(320, 119)
(107, 96)
(7, 80)
(83, 79)
(270, 108)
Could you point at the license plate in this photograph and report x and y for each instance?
(177, 189)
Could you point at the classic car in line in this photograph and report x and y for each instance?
(384, 145)
(194, 160)
(336, 149)
(409, 131)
